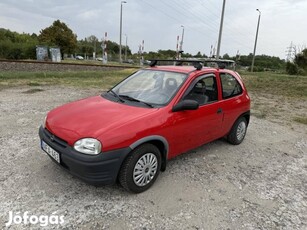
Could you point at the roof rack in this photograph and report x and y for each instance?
(198, 64)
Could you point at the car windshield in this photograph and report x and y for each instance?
(151, 87)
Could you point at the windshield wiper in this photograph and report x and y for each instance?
(116, 95)
(134, 99)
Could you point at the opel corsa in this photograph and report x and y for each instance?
(130, 132)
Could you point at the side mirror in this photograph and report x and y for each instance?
(185, 105)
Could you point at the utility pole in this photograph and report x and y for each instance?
(253, 61)
(120, 31)
(220, 33)
(126, 47)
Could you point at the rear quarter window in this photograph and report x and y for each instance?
(230, 85)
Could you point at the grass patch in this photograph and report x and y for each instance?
(302, 120)
(259, 82)
(276, 83)
(84, 79)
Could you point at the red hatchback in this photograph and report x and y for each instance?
(128, 133)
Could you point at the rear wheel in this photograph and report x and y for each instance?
(141, 168)
(238, 131)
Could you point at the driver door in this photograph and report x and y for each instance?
(193, 128)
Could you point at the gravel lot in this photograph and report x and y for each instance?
(260, 184)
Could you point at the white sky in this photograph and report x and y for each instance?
(158, 22)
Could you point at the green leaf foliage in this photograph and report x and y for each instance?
(17, 46)
(60, 35)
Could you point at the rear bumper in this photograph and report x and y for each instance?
(101, 169)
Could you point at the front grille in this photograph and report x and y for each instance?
(55, 139)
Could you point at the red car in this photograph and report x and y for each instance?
(130, 132)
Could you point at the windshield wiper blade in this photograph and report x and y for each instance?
(134, 99)
(116, 95)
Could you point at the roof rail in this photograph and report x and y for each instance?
(198, 64)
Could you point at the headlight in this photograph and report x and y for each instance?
(89, 146)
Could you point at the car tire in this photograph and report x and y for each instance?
(238, 131)
(141, 168)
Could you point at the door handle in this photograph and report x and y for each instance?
(219, 110)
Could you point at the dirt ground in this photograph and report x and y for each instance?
(260, 184)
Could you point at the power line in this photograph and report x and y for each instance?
(175, 7)
(227, 27)
(184, 9)
(173, 18)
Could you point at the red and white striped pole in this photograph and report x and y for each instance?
(141, 51)
(177, 48)
(105, 53)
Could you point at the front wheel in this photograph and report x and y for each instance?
(141, 168)
(238, 131)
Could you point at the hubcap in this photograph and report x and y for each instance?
(241, 130)
(145, 169)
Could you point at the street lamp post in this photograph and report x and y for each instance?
(120, 30)
(220, 33)
(253, 61)
(181, 43)
(126, 47)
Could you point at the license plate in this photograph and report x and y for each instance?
(51, 152)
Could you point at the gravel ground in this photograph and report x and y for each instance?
(260, 184)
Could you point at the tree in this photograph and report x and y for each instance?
(226, 56)
(291, 68)
(301, 59)
(58, 34)
(17, 46)
(198, 55)
(299, 65)
(85, 48)
(94, 41)
(262, 62)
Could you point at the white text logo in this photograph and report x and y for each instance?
(42, 220)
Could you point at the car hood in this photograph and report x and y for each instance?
(91, 117)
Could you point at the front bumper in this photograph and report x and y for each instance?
(101, 169)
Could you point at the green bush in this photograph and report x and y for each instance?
(301, 71)
(17, 46)
(292, 68)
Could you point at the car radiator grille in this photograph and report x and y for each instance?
(55, 139)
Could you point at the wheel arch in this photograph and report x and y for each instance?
(232, 134)
(160, 142)
(246, 115)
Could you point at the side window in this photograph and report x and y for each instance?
(203, 90)
(230, 86)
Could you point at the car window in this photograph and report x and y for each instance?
(150, 86)
(203, 90)
(230, 86)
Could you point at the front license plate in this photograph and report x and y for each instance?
(51, 152)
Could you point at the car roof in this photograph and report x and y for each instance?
(181, 69)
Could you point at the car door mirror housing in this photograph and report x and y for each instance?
(185, 105)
